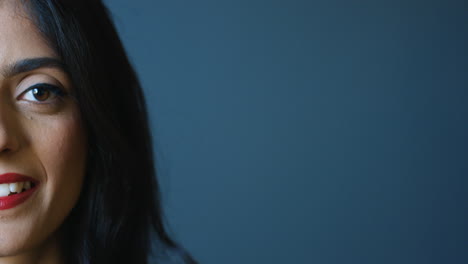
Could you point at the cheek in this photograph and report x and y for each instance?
(60, 148)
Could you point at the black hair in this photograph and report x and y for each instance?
(118, 213)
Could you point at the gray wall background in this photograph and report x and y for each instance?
(308, 131)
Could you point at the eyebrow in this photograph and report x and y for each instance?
(30, 64)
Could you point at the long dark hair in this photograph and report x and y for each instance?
(118, 216)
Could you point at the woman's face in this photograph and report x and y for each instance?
(41, 136)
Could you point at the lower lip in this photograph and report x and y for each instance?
(11, 201)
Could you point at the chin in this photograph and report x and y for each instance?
(13, 247)
(15, 242)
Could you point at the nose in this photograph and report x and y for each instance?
(6, 145)
(8, 133)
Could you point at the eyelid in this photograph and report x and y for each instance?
(56, 90)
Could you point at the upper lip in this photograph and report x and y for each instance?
(15, 177)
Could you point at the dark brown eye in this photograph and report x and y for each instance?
(40, 94)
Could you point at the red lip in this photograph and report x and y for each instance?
(11, 201)
(15, 177)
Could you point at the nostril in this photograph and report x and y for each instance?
(6, 150)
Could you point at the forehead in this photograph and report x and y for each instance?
(19, 38)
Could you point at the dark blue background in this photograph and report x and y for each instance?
(308, 131)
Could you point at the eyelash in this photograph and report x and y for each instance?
(56, 91)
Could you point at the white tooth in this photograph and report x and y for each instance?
(4, 189)
(14, 187)
(20, 186)
(27, 185)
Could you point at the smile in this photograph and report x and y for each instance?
(8, 189)
(15, 189)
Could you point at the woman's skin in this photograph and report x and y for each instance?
(41, 136)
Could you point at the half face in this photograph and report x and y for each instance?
(41, 136)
